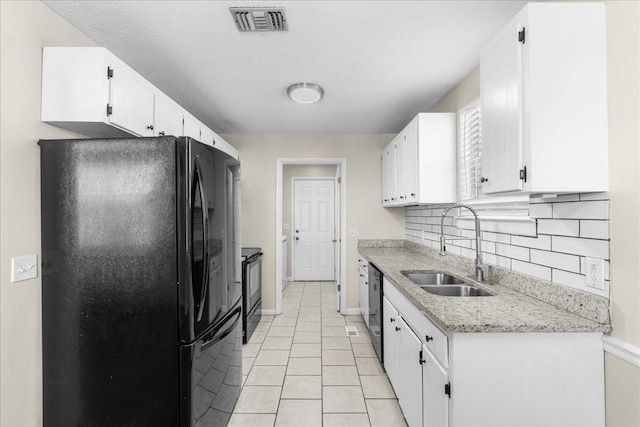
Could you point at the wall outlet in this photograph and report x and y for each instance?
(353, 232)
(595, 273)
(24, 268)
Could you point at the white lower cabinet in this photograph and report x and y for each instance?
(490, 379)
(409, 374)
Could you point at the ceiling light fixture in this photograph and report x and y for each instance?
(305, 93)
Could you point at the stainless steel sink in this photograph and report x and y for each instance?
(433, 279)
(455, 290)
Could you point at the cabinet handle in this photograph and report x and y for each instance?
(428, 338)
(161, 133)
(401, 197)
(297, 238)
(397, 329)
(413, 194)
(422, 361)
(392, 320)
(150, 127)
(362, 275)
(483, 179)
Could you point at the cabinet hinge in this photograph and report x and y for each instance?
(339, 180)
(523, 174)
(338, 287)
(521, 35)
(447, 389)
(420, 359)
(109, 72)
(109, 110)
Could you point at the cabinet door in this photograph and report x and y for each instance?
(390, 336)
(411, 162)
(435, 406)
(399, 169)
(191, 127)
(501, 91)
(131, 100)
(167, 117)
(409, 375)
(389, 184)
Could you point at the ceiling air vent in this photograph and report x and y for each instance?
(250, 19)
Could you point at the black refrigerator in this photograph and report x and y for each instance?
(141, 284)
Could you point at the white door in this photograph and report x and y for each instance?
(436, 403)
(314, 229)
(409, 375)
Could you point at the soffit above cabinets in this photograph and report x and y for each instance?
(379, 62)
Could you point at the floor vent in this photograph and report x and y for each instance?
(252, 19)
(352, 331)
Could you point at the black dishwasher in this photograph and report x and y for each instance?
(375, 309)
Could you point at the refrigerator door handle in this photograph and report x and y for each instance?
(215, 337)
(205, 229)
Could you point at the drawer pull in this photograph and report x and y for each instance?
(428, 338)
(392, 320)
(397, 329)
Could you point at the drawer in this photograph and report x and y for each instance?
(409, 312)
(435, 340)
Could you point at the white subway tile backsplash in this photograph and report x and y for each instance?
(469, 253)
(556, 260)
(569, 279)
(594, 229)
(509, 251)
(540, 242)
(550, 244)
(577, 246)
(582, 210)
(496, 260)
(541, 210)
(531, 269)
(496, 237)
(559, 227)
(488, 247)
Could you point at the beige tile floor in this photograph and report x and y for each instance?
(300, 368)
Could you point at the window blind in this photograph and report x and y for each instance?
(470, 134)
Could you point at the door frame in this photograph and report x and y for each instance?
(293, 217)
(341, 175)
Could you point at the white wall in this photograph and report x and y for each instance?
(25, 28)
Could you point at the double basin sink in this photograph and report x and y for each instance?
(444, 285)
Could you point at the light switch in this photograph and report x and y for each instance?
(353, 232)
(24, 268)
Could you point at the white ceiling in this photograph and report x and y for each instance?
(379, 62)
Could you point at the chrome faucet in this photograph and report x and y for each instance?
(481, 268)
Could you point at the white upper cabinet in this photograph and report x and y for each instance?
(168, 116)
(543, 91)
(90, 91)
(419, 165)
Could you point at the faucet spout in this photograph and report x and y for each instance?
(480, 268)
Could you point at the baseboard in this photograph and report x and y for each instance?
(268, 312)
(352, 311)
(623, 350)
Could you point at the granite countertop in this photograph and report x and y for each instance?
(506, 311)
